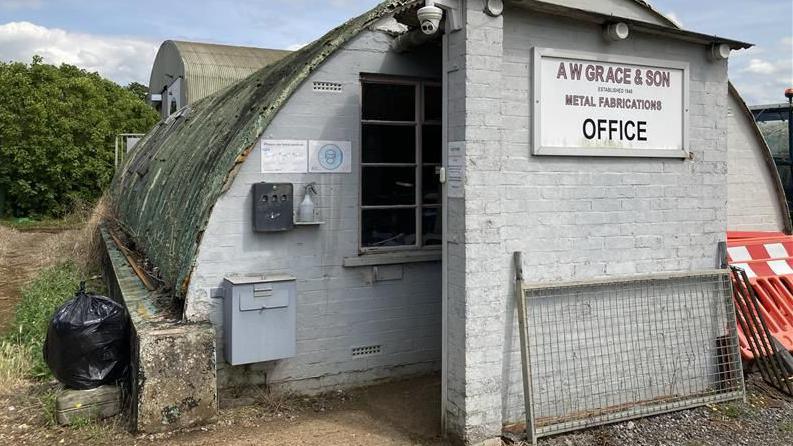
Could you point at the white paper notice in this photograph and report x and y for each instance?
(455, 170)
(330, 156)
(284, 156)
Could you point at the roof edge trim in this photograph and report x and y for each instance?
(674, 32)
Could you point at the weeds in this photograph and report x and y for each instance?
(15, 363)
(49, 290)
(277, 402)
(47, 401)
(732, 410)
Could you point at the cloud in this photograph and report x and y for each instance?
(120, 59)
(674, 18)
(763, 72)
(760, 66)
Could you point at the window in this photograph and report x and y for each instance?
(400, 161)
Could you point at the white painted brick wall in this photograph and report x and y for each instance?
(753, 203)
(574, 218)
(338, 308)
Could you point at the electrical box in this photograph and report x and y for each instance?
(259, 317)
(273, 209)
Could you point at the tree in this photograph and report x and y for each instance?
(57, 133)
(139, 90)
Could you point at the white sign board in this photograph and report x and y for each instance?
(330, 156)
(601, 105)
(455, 170)
(284, 156)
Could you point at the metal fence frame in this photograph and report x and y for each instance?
(122, 146)
(732, 382)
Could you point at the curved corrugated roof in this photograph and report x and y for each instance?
(164, 194)
(206, 67)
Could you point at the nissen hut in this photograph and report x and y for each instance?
(528, 199)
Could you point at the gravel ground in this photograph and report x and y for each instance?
(765, 419)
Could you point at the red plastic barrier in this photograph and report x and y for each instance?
(737, 235)
(767, 259)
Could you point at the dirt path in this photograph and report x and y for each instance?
(394, 414)
(403, 413)
(22, 254)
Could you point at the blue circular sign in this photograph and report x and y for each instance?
(331, 156)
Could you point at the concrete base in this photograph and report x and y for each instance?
(173, 379)
(176, 378)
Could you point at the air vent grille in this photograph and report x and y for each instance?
(328, 87)
(369, 350)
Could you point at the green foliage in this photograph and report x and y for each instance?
(139, 90)
(57, 132)
(48, 291)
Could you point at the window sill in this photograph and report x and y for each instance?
(392, 258)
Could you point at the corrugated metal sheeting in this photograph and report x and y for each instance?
(164, 193)
(206, 68)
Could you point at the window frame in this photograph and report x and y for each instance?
(418, 123)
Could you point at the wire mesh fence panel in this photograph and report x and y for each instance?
(606, 351)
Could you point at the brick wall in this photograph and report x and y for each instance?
(338, 307)
(574, 218)
(753, 201)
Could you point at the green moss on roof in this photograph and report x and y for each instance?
(164, 194)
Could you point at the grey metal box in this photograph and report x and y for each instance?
(259, 317)
(273, 207)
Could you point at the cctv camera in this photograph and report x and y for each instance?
(430, 19)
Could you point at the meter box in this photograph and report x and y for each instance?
(273, 209)
(259, 318)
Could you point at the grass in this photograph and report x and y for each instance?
(43, 224)
(40, 298)
(15, 363)
(732, 410)
(76, 219)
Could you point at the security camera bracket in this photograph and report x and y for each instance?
(453, 10)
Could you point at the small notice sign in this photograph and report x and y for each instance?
(330, 156)
(284, 156)
(455, 170)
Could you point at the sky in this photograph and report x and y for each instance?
(119, 39)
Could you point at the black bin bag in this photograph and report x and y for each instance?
(87, 343)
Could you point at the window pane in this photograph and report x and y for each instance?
(389, 102)
(389, 143)
(432, 140)
(389, 186)
(430, 185)
(433, 101)
(388, 227)
(431, 226)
